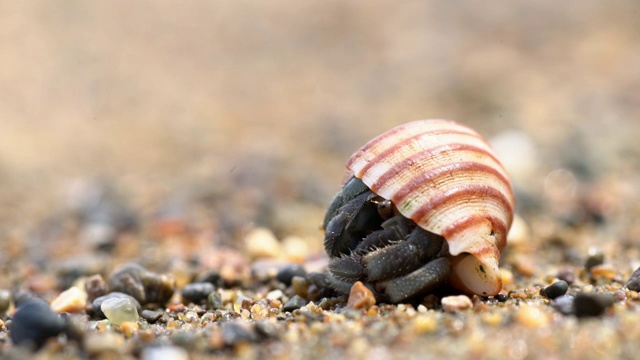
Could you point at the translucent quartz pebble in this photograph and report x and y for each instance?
(119, 310)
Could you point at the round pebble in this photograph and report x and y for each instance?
(591, 304)
(95, 286)
(97, 303)
(236, 332)
(456, 303)
(634, 281)
(5, 300)
(119, 310)
(197, 292)
(532, 316)
(262, 243)
(555, 290)
(287, 272)
(34, 323)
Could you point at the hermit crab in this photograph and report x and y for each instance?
(427, 205)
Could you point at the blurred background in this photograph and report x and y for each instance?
(213, 118)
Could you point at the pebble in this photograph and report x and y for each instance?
(145, 286)
(634, 281)
(197, 292)
(286, 273)
(151, 315)
(120, 310)
(532, 316)
(360, 297)
(97, 303)
(5, 300)
(164, 352)
(262, 243)
(214, 300)
(34, 323)
(95, 286)
(295, 248)
(591, 304)
(502, 297)
(300, 285)
(603, 272)
(596, 257)
(564, 304)
(72, 300)
(567, 275)
(456, 303)
(236, 332)
(555, 290)
(296, 302)
(99, 343)
(425, 324)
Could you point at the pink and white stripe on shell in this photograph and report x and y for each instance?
(446, 178)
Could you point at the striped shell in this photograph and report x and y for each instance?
(446, 178)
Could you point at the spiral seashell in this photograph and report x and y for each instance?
(446, 178)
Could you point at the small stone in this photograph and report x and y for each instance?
(620, 295)
(164, 353)
(236, 332)
(129, 328)
(262, 243)
(274, 294)
(555, 290)
(145, 286)
(103, 343)
(97, 303)
(34, 323)
(564, 304)
(532, 316)
(596, 257)
(214, 300)
(425, 324)
(456, 303)
(151, 316)
(502, 297)
(296, 302)
(603, 271)
(360, 297)
(491, 318)
(287, 272)
(119, 310)
(72, 300)
(567, 275)
(591, 304)
(634, 281)
(300, 285)
(5, 300)
(197, 292)
(95, 286)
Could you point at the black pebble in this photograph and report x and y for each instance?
(634, 281)
(287, 272)
(589, 304)
(197, 292)
(296, 302)
(34, 323)
(555, 290)
(98, 302)
(502, 297)
(151, 316)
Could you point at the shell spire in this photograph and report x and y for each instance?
(446, 178)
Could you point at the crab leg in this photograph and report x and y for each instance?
(421, 281)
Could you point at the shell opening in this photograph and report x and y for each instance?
(477, 276)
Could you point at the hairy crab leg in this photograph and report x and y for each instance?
(421, 281)
(403, 257)
(394, 229)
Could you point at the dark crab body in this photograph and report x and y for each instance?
(428, 204)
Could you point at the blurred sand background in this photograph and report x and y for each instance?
(243, 113)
